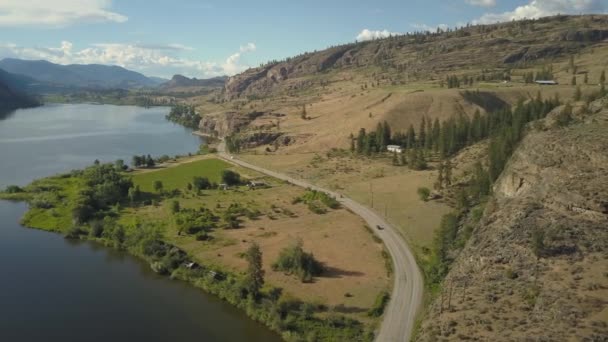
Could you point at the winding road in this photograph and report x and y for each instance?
(406, 297)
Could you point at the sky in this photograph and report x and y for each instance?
(211, 38)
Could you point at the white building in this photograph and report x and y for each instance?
(394, 148)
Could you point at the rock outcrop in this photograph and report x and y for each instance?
(536, 267)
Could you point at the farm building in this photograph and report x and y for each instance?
(394, 148)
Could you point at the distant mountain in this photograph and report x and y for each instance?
(78, 75)
(11, 92)
(179, 81)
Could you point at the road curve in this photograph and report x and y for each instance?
(406, 297)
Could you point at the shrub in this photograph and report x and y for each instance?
(424, 193)
(13, 189)
(381, 301)
(230, 177)
(294, 260)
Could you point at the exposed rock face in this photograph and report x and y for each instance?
(227, 123)
(536, 267)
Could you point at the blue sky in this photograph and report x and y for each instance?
(209, 38)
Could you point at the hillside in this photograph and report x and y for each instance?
(535, 264)
(11, 92)
(404, 78)
(493, 50)
(78, 76)
(179, 81)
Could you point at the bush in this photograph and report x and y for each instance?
(201, 183)
(13, 189)
(293, 260)
(230, 177)
(381, 301)
(424, 194)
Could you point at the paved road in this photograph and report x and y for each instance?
(407, 292)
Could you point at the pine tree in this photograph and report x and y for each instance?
(603, 77)
(436, 134)
(361, 138)
(255, 274)
(387, 134)
(352, 143)
(448, 173)
(428, 143)
(411, 137)
(439, 183)
(422, 133)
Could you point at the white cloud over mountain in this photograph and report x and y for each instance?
(543, 8)
(374, 34)
(56, 13)
(151, 59)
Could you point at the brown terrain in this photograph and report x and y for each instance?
(535, 267)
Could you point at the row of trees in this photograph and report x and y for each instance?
(143, 161)
(184, 115)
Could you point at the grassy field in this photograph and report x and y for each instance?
(393, 187)
(356, 271)
(178, 177)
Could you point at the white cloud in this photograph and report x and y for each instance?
(232, 64)
(482, 3)
(542, 8)
(150, 59)
(56, 13)
(377, 34)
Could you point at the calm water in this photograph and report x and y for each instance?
(52, 289)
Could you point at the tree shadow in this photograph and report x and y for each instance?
(348, 309)
(335, 272)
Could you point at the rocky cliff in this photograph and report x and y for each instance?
(536, 267)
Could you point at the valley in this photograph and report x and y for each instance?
(441, 185)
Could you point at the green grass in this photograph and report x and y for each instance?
(179, 176)
(59, 217)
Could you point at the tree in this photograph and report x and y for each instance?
(538, 242)
(411, 137)
(149, 161)
(134, 194)
(158, 186)
(422, 133)
(175, 207)
(200, 183)
(603, 77)
(230, 177)
(361, 140)
(351, 138)
(303, 114)
(120, 165)
(448, 173)
(573, 82)
(255, 274)
(136, 161)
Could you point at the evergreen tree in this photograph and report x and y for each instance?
(386, 131)
(411, 137)
(603, 77)
(361, 139)
(422, 133)
(255, 274)
(436, 134)
(352, 143)
(428, 143)
(448, 173)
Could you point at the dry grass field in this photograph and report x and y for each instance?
(356, 271)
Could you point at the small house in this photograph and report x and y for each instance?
(394, 148)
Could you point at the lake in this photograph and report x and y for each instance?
(53, 289)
